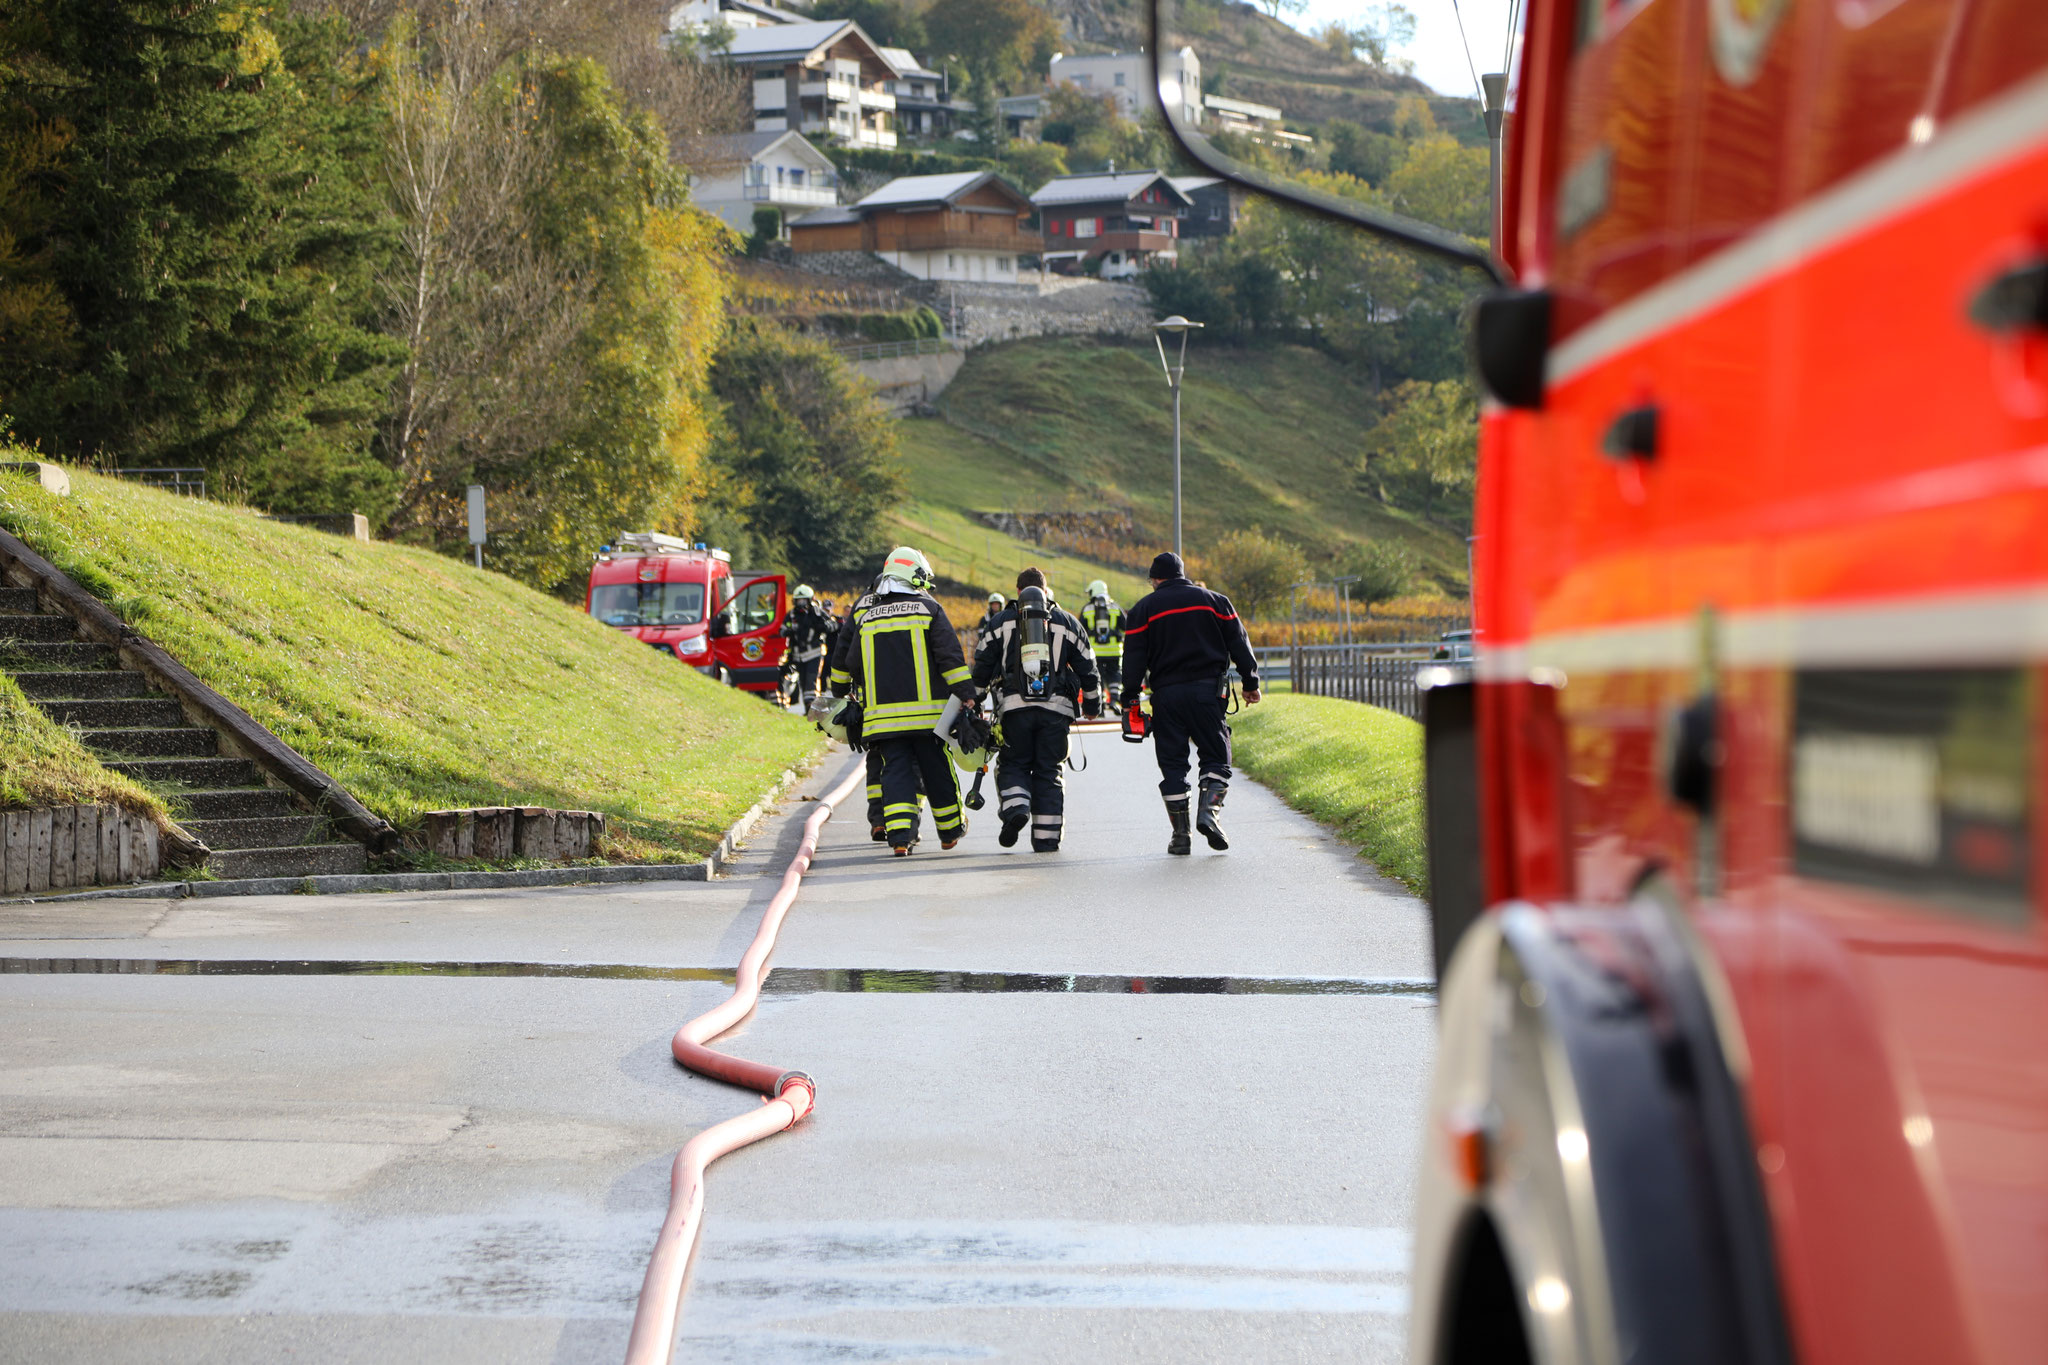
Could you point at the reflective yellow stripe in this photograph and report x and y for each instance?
(955, 676)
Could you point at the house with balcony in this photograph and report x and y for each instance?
(824, 79)
(969, 225)
(734, 174)
(697, 17)
(1127, 78)
(1124, 219)
(1258, 122)
(925, 107)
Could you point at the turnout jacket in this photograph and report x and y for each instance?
(807, 627)
(1104, 621)
(997, 664)
(903, 657)
(1181, 633)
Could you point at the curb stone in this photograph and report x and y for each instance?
(344, 884)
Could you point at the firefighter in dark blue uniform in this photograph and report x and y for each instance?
(1181, 641)
(1036, 660)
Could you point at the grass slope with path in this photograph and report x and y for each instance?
(1072, 424)
(1357, 769)
(417, 682)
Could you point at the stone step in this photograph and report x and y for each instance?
(115, 713)
(276, 831)
(309, 860)
(36, 656)
(19, 600)
(53, 686)
(233, 803)
(190, 772)
(183, 741)
(36, 627)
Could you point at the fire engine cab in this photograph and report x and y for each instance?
(686, 600)
(1735, 814)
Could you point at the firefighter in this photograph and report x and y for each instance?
(840, 679)
(1036, 661)
(1104, 622)
(904, 660)
(988, 620)
(1181, 640)
(808, 628)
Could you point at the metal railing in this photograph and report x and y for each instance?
(189, 483)
(1380, 675)
(895, 350)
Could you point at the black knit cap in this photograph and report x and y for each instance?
(1168, 565)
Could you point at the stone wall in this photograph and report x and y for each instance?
(906, 383)
(987, 313)
(62, 848)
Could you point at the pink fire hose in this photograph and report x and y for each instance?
(786, 1097)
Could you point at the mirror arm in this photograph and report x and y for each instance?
(1411, 233)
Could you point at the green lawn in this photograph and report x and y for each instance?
(43, 764)
(1356, 768)
(1074, 423)
(417, 682)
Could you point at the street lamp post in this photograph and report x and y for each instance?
(1175, 368)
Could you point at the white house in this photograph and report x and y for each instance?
(740, 172)
(1127, 77)
(968, 225)
(701, 16)
(824, 78)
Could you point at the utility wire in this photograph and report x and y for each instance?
(1507, 47)
(1466, 43)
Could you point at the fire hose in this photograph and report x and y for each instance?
(787, 1096)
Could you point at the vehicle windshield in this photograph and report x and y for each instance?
(648, 604)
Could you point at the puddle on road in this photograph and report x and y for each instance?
(781, 980)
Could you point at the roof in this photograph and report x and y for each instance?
(734, 149)
(827, 218)
(797, 40)
(907, 190)
(1245, 108)
(1083, 189)
(1188, 184)
(905, 63)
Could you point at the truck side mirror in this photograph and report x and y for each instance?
(1511, 345)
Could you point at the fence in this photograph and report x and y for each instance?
(1376, 675)
(190, 482)
(895, 350)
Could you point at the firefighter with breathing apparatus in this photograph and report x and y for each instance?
(1037, 662)
(808, 628)
(903, 658)
(988, 620)
(1103, 619)
(1181, 640)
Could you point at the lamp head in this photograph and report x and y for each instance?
(1175, 324)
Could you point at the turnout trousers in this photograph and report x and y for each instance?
(1112, 671)
(1183, 714)
(907, 759)
(1028, 776)
(807, 678)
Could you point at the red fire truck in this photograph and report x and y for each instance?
(685, 600)
(1743, 987)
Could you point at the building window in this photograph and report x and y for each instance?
(952, 261)
(1119, 78)
(1087, 227)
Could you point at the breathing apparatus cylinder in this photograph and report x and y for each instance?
(1034, 649)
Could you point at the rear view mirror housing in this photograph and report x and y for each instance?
(1511, 345)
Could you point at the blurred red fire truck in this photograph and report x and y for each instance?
(685, 600)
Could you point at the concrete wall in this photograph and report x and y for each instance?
(904, 382)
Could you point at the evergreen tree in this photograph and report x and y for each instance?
(211, 242)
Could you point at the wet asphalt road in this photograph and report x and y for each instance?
(1182, 1153)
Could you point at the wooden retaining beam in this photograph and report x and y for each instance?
(60, 848)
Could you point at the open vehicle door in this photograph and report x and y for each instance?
(751, 651)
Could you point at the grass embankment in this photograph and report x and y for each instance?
(1072, 424)
(417, 682)
(43, 764)
(1356, 768)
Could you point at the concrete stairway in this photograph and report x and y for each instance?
(254, 830)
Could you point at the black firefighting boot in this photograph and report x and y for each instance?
(1013, 825)
(1177, 811)
(1206, 805)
